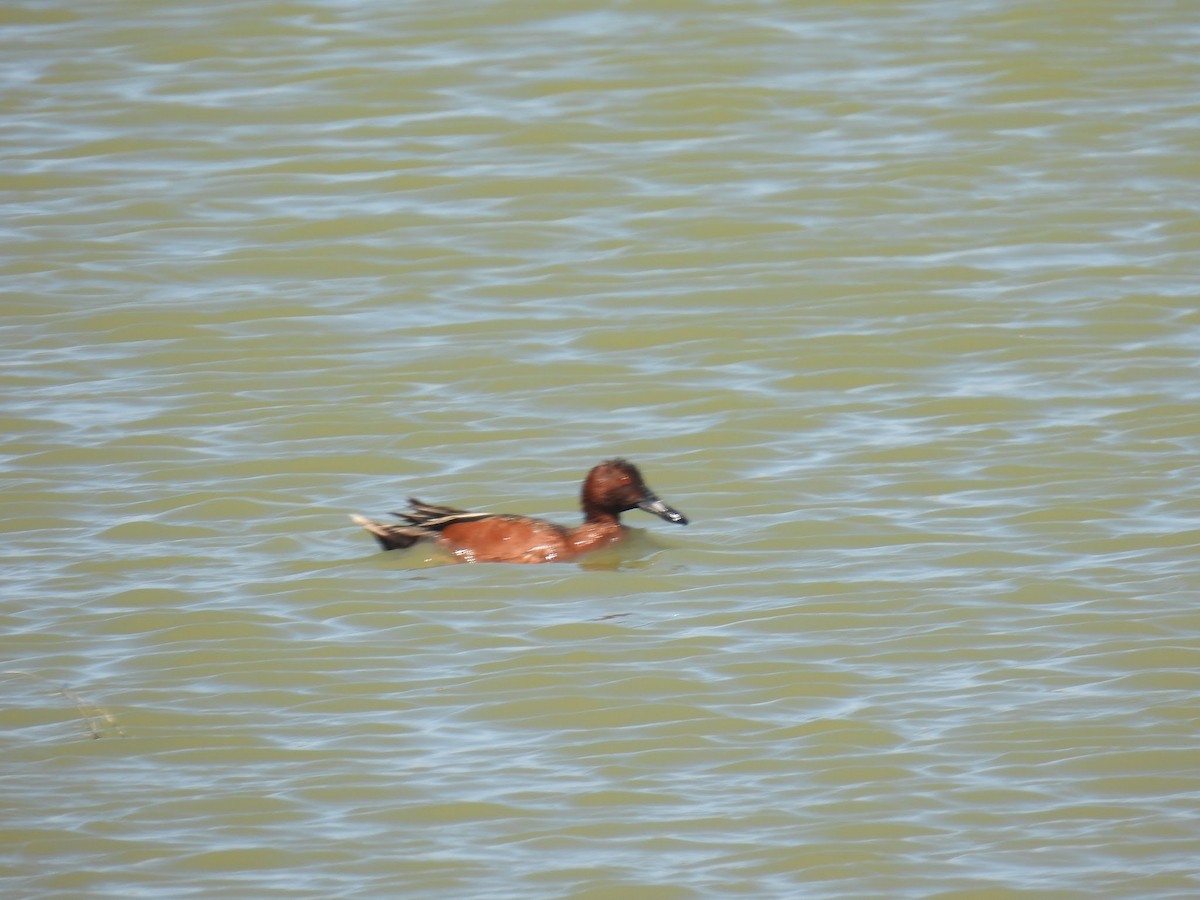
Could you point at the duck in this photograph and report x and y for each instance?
(612, 487)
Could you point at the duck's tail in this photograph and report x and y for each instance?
(392, 537)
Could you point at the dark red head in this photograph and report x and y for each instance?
(615, 486)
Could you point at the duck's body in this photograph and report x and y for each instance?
(610, 489)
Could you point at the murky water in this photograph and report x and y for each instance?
(897, 301)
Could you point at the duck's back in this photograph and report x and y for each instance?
(507, 538)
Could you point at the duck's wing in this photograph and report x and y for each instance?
(424, 521)
(434, 517)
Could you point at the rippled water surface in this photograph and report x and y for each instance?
(896, 301)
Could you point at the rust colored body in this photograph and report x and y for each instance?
(611, 488)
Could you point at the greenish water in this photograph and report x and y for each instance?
(896, 301)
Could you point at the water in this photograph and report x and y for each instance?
(895, 301)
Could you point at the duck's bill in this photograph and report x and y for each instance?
(653, 505)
